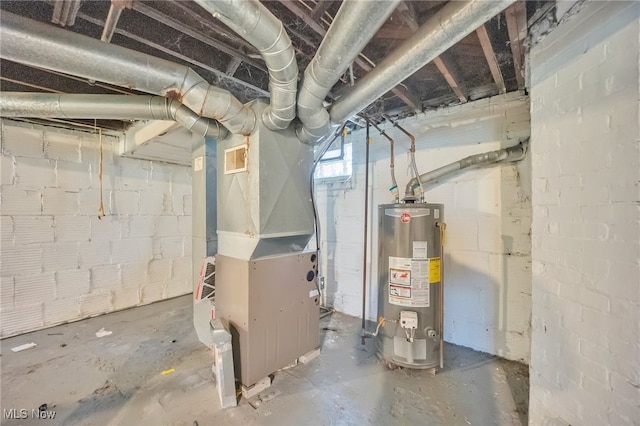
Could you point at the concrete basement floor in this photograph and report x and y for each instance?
(117, 379)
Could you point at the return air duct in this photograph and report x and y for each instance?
(452, 23)
(354, 25)
(117, 107)
(32, 43)
(258, 26)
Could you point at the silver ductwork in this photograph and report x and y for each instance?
(354, 25)
(33, 43)
(452, 23)
(251, 20)
(116, 107)
(505, 155)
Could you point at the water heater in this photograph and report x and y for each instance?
(410, 298)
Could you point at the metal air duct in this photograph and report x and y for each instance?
(33, 43)
(117, 107)
(506, 155)
(447, 27)
(354, 25)
(251, 20)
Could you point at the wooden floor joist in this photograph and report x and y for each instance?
(410, 19)
(490, 55)
(516, 16)
(408, 98)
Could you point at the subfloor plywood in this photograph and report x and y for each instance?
(118, 380)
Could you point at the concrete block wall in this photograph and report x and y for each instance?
(585, 365)
(59, 262)
(488, 216)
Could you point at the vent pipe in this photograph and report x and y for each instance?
(251, 20)
(36, 44)
(506, 155)
(117, 107)
(447, 27)
(354, 25)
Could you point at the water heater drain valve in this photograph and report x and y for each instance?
(409, 322)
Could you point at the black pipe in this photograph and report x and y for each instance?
(316, 222)
(366, 223)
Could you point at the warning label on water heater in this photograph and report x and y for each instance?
(409, 282)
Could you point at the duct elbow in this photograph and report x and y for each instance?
(282, 110)
(312, 136)
(517, 152)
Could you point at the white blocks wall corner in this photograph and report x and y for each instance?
(585, 366)
(488, 216)
(59, 262)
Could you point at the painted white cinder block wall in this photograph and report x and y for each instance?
(585, 364)
(58, 261)
(488, 216)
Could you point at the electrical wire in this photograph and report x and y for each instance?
(316, 222)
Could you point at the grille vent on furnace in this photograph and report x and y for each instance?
(207, 284)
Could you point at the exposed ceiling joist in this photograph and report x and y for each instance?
(232, 67)
(204, 22)
(30, 85)
(320, 8)
(490, 55)
(516, 16)
(403, 94)
(177, 25)
(65, 12)
(444, 70)
(302, 14)
(410, 19)
(222, 76)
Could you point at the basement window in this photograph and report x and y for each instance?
(336, 165)
(235, 159)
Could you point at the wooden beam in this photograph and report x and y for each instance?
(30, 85)
(204, 22)
(320, 8)
(219, 74)
(410, 18)
(444, 70)
(232, 67)
(302, 14)
(490, 55)
(399, 91)
(393, 32)
(210, 41)
(516, 15)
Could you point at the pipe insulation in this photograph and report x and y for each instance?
(505, 155)
(40, 45)
(257, 25)
(112, 107)
(452, 23)
(354, 25)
